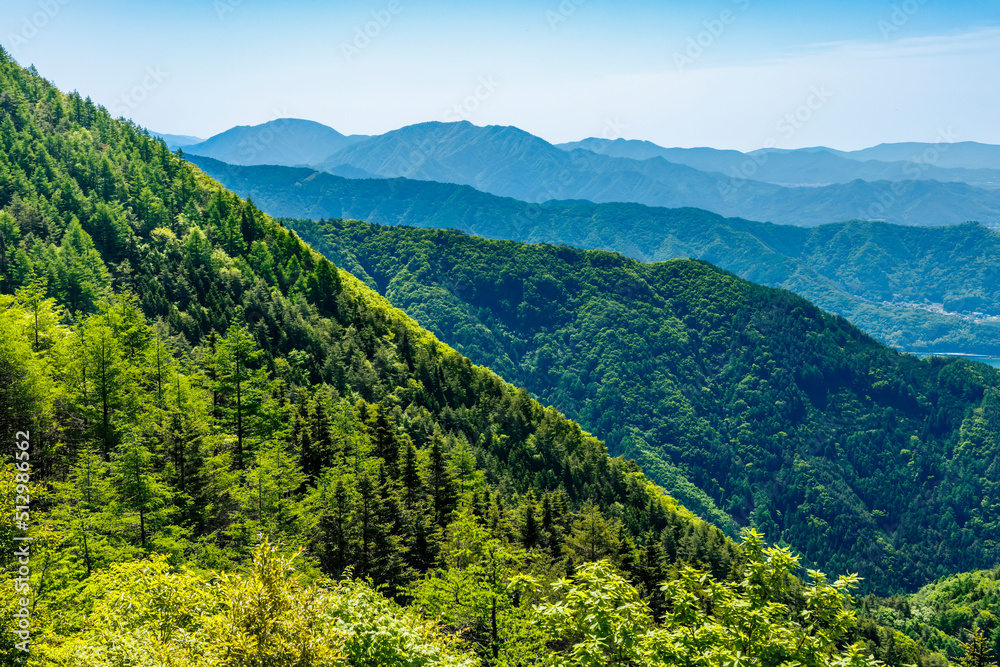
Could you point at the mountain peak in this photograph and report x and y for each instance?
(282, 141)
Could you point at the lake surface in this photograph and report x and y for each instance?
(991, 361)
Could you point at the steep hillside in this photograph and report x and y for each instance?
(787, 418)
(201, 391)
(884, 278)
(944, 613)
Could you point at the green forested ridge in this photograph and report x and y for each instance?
(942, 614)
(232, 443)
(875, 274)
(786, 418)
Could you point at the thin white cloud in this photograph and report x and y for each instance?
(985, 39)
(846, 95)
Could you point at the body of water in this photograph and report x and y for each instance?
(991, 361)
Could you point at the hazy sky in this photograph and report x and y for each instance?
(724, 73)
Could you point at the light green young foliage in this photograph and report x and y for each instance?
(269, 619)
(593, 537)
(143, 500)
(43, 315)
(83, 513)
(713, 622)
(266, 494)
(379, 633)
(244, 386)
(471, 592)
(977, 651)
(600, 620)
(145, 614)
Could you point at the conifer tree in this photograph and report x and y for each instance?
(977, 651)
(244, 386)
(440, 482)
(592, 538)
(140, 491)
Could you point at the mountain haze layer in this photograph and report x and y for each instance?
(950, 153)
(285, 141)
(819, 166)
(507, 161)
(889, 280)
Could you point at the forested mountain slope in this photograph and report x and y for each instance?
(945, 612)
(851, 269)
(201, 397)
(194, 378)
(786, 417)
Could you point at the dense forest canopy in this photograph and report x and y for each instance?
(241, 455)
(782, 416)
(205, 393)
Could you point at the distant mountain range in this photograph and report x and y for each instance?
(960, 154)
(175, 141)
(950, 186)
(847, 268)
(823, 166)
(286, 141)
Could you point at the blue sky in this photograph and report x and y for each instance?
(725, 73)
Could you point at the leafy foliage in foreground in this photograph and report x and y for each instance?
(782, 416)
(147, 613)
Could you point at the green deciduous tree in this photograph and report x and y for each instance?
(711, 621)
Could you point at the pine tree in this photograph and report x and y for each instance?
(319, 449)
(383, 437)
(85, 495)
(82, 278)
(650, 572)
(243, 385)
(140, 490)
(410, 476)
(977, 651)
(100, 374)
(440, 482)
(592, 538)
(10, 234)
(530, 533)
(335, 526)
